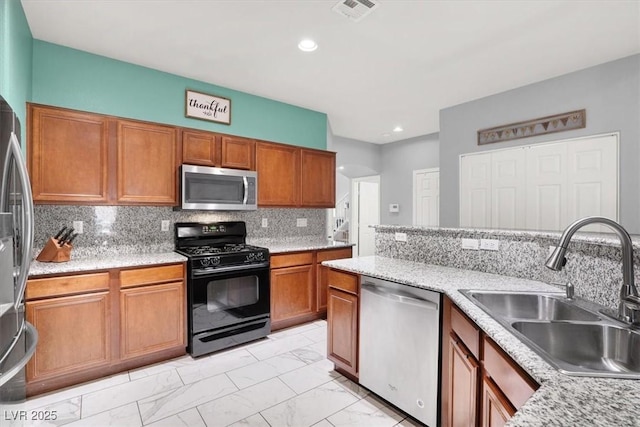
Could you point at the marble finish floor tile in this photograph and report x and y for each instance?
(188, 418)
(367, 412)
(244, 403)
(282, 380)
(310, 407)
(310, 376)
(264, 370)
(178, 400)
(215, 364)
(119, 395)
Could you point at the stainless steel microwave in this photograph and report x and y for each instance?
(206, 188)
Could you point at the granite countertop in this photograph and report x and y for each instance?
(296, 244)
(561, 400)
(103, 262)
(140, 256)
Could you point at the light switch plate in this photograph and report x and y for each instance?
(301, 222)
(401, 237)
(265, 222)
(78, 227)
(472, 244)
(164, 225)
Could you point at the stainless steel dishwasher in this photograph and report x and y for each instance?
(400, 346)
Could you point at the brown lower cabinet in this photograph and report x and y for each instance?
(481, 385)
(96, 324)
(299, 288)
(342, 321)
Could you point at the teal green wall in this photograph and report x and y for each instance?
(75, 79)
(16, 48)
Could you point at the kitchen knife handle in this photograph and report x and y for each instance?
(59, 233)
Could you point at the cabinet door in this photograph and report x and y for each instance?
(496, 409)
(322, 279)
(238, 153)
(318, 178)
(278, 169)
(151, 319)
(342, 330)
(200, 148)
(292, 293)
(67, 153)
(64, 345)
(463, 385)
(147, 168)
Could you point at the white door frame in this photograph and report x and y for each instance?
(413, 192)
(354, 231)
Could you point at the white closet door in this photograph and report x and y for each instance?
(593, 179)
(508, 189)
(546, 187)
(475, 191)
(427, 197)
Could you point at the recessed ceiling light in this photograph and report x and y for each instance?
(307, 45)
(341, 167)
(398, 129)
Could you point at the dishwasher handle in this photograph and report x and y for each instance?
(403, 299)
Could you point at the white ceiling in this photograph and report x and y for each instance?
(398, 66)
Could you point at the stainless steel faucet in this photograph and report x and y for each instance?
(629, 306)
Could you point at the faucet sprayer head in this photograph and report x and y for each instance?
(557, 260)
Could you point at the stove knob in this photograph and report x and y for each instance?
(215, 260)
(204, 262)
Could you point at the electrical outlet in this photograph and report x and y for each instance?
(489, 244)
(164, 225)
(265, 222)
(472, 244)
(401, 237)
(78, 227)
(301, 222)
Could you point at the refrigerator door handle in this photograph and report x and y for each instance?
(31, 337)
(27, 204)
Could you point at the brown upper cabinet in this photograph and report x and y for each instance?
(212, 149)
(146, 161)
(318, 178)
(76, 157)
(68, 156)
(278, 167)
(84, 158)
(294, 176)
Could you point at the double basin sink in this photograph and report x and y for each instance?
(571, 334)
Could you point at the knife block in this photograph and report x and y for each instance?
(54, 252)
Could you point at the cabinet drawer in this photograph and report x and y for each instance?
(145, 276)
(466, 330)
(514, 383)
(330, 254)
(289, 260)
(67, 285)
(346, 282)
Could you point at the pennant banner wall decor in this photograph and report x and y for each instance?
(541, 126)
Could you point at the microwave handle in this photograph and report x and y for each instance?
(245, 181)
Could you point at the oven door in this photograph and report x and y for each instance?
(218, 300)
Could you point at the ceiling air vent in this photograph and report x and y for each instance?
(355, 10)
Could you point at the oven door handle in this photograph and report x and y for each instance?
(203, 272)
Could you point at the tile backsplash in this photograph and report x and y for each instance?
(138, 228)
(593, 260)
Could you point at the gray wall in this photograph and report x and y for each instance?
(357, 159)
(399, 160)
(609, 92)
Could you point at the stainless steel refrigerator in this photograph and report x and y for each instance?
(18, 338)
